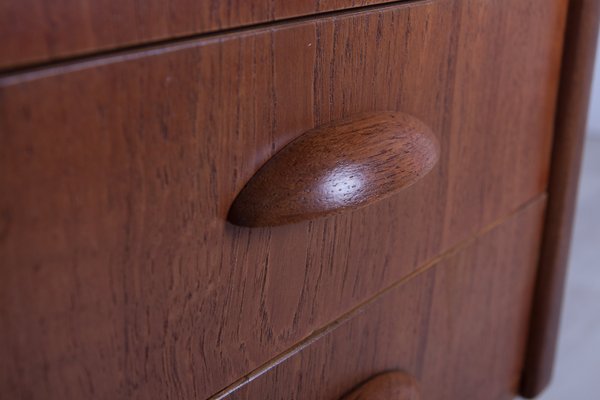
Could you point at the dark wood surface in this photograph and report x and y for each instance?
(390, 385)
(338, 167)
(459, 328)
(121, 277)
(575, 86)
(117, 174)
(35, 31)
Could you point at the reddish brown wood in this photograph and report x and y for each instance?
(344, 165)
(34, 31)
(459, 328)
(387, 386)
(121, 277)
(576, 79)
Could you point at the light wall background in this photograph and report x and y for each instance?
(594, 112)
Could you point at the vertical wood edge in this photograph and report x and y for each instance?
(570, 123)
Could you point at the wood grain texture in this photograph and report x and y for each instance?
(575, 86)
(387, 386)
(459, 328)
(344, 165)
(120, 276)
(35, 31)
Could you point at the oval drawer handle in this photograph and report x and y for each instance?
(388, 386)
(343, 165)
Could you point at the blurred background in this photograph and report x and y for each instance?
(577, 371)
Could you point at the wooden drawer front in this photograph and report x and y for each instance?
(117, 174)
(458, 328)
(36, 31)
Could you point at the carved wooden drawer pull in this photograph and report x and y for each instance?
(344, 165)
(388, 386)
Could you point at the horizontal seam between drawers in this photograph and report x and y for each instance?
(356, 310)
(37, 70)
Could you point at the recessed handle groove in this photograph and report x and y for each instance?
(343, 165)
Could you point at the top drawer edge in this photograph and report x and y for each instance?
(35, 33)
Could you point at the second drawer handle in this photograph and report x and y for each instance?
(395, 385)
(343, 165)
